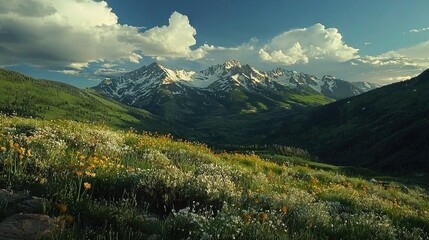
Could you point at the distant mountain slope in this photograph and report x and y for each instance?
(143, 87)
(365, 86)
(230, 102)
(220, 90)
(329, 86)
(386, 129)
(26, 96)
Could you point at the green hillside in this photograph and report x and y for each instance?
(384, 129)
(29, 97)
(238, 116)
(104, 184)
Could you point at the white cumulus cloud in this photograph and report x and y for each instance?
(419, 52)
(306, 44)
(70, 34)
(417, 30)
(173, 40)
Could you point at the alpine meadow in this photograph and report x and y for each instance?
(214, 120)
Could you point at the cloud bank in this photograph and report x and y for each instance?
(85, 37)
(50, 34)
(306, 44)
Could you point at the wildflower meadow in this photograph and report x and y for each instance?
(109, 184)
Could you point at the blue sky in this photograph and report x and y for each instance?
(83, 41)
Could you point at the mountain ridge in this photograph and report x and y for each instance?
(384, 129)
(244, 97)
(233, 72)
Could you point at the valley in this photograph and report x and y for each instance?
(132, 153)
(214, 120)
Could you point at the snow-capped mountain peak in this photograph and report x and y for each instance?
(232, 63)
(329, 78)
(145, 82)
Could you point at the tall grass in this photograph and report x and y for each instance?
(106, 184)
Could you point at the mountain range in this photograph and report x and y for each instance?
(232, 104)
(227, 102)
(140, 86)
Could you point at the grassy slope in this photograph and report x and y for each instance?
(384, 129)
(44, 99)
(143, 185)
(245, 117)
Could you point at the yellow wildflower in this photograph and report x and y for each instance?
(29, 153)
(20, 150)
(68, 219)
(283, 209)
(90, 174)
(62, 208)
(263, 215)
(3, 149)
(87, 185)
(79, 173)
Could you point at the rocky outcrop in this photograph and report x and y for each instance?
(20, 202)
(22, 216)
(27, 226)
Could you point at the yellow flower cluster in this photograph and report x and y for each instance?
(87, 164)
(16, 147)
(62, 209)
(154, 141)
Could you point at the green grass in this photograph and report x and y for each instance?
(315, 99)
(28, 97)
(385, 129)
(152, 184)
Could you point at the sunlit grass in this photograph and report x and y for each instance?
(107, 184)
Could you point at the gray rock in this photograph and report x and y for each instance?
(12, 197)
(32, 205)
(3, 196)
(20, 202)
(27, 226)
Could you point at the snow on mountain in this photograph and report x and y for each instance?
(338, 89)
(143, 83)
(365, 86)
(293, 78)
(225, 76)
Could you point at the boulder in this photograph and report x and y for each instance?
(27, 226)
(20, 202)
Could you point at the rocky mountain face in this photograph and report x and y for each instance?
(225, 97)
(150, 84)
